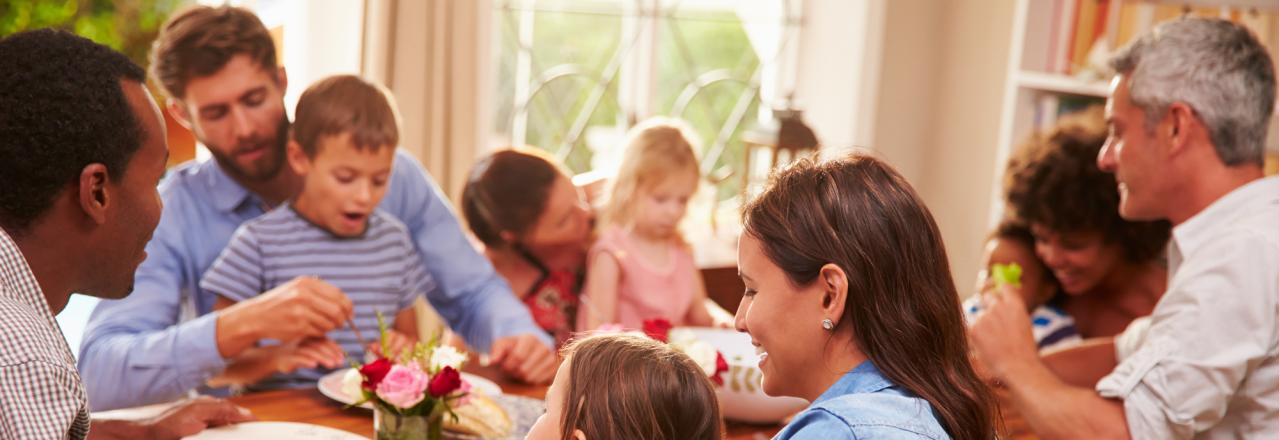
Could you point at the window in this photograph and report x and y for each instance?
(573, 75)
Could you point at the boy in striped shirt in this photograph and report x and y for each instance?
(342, 143)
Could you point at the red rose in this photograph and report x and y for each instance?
(721, 366)
(657, 328)
(373, 373)
(444, 382)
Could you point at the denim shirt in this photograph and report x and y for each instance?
(863, 404)
(160, 343)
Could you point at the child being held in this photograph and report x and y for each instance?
(342, 144)
(1012, 243)
(641, 267)
(626, 386)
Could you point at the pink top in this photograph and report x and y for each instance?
(645, 291)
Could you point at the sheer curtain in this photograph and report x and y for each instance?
(434, 55)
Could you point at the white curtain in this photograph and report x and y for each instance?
(434, 56)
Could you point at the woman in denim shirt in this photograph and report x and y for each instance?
(850, 302)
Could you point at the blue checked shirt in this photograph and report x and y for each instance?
(159, 343)
(40, 393)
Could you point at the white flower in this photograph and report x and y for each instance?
(703, 353)
(351, 382)
(446, 356)
(681, 337)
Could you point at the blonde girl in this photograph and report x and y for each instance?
(641, 267)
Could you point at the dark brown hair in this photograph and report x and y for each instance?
(200, 40)
(859, 214)
(631, 387)
(507, 191)
(346, 104)
(1053, 181)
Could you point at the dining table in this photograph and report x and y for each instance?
(308, 405)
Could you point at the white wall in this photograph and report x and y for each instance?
(935, 111)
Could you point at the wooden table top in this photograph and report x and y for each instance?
(307, 405)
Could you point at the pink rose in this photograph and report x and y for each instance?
(403, 387)
(444, 382)
(465, 392)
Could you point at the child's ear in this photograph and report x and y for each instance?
(298, 160)
(578, 435)
(834, 286)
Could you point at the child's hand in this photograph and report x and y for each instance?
(258, 363)
(396, 343)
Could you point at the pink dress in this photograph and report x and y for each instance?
(644, 291)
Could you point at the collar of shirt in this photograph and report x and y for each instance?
(863, 379)
(17, 280)
(228, 195)
(1201, 227)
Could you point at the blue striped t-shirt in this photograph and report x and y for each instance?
(379, 271)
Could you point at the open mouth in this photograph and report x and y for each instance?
(354, 216)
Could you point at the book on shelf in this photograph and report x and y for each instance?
(1083, 33)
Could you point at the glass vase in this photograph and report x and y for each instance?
(389, 425)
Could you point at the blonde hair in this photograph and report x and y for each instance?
(656, 149)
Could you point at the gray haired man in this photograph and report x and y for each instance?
(1188, 114)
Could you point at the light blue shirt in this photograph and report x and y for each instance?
(863, 404)
(159, 343)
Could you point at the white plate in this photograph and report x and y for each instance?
(274, 430)
(331, 386)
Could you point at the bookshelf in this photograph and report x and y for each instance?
(1055, 66)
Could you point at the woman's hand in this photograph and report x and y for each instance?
(1001, 336)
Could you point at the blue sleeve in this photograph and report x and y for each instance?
(474, 300)
(237, 273)
(135, 351)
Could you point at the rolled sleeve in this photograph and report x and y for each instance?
(1212, 329)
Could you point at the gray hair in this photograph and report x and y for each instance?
(1216, 67)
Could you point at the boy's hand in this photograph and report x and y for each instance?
(1001, 335)
(396, 343)
(258, 363)
(525, 357)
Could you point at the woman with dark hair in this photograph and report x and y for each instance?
(536, 230)
(1110, 270)
(850, 301)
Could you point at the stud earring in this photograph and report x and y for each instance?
(828, 325)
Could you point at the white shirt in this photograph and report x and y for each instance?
(1207, 367)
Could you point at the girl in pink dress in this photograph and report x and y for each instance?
(641, 267)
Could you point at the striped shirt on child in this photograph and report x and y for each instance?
(379, 271)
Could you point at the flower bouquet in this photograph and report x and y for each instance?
(703, 353)
(412, 391)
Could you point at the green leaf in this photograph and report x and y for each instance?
(1006, 274)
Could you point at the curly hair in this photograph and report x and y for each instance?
(61, 108)
(1053, 181)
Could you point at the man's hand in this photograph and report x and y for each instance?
(305, 307)
(193, 416)
(1001, 335)
(525, 357)
(258, 363)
